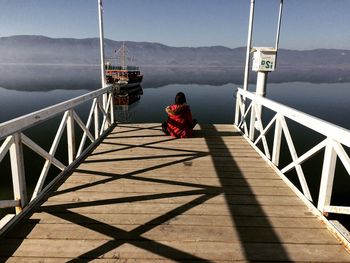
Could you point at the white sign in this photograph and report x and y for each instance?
(264, 60)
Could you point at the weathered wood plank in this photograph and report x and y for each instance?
(177, 250)
(195, 182)
(114, 181)
(181, 168)
(145, 152)
(62, 217)
(155, 188)
(175, 198)
(204, 209)
(181, 160)
(100, 260)
(114, 171)
(174, 233)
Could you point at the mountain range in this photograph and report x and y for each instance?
(45, 50)
(175, 64)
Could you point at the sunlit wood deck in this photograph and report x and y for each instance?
(142, 196)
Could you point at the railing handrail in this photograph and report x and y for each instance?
(99, 121)
(335, 138)
(326, 128)
(26, 121)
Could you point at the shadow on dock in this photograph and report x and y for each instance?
(135, 237)
(272, 250)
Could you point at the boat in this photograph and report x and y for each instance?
(119, 72)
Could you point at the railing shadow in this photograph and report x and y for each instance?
(134, 237)
(7, 249)
(118, 236)
(198, 193)
(250, 246)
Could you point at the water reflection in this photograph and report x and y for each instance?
(125, 102)
(87, 77)
(49, 77)
(25, 88)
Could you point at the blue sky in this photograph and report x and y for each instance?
(307, 24)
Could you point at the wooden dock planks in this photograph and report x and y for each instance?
(145, 197)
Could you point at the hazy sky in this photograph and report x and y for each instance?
(307, 24)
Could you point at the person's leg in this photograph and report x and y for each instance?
(165, 128)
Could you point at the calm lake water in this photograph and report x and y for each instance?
(209, 103)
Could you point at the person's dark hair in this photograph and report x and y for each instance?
(180, 98)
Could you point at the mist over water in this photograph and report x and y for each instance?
(210, 91)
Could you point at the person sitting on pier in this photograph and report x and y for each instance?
(180, 123)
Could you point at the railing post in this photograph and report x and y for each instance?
(252, 122)
(70, 136)
(96, 120)
(112, 107)
(237, 113)
(105, 106)
(18, 174)
(277, 141)
(327, 178)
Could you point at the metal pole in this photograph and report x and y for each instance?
(256, 111)
(260, 90)
(102, 49)
(261, 83)
(249, 44)
(279, 26)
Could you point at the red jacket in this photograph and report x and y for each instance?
(180, 123)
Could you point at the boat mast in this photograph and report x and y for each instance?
(102, 51)
(122, 56)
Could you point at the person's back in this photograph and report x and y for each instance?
(180, 123)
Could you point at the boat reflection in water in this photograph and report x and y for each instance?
(125, 102)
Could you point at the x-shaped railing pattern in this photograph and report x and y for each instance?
(249, 119)
(12, 132)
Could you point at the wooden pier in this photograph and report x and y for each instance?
(142, 196)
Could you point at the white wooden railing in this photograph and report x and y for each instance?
(335, 140)
(12, 133)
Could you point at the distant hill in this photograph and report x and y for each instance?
(22, 59)
(44, 50)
